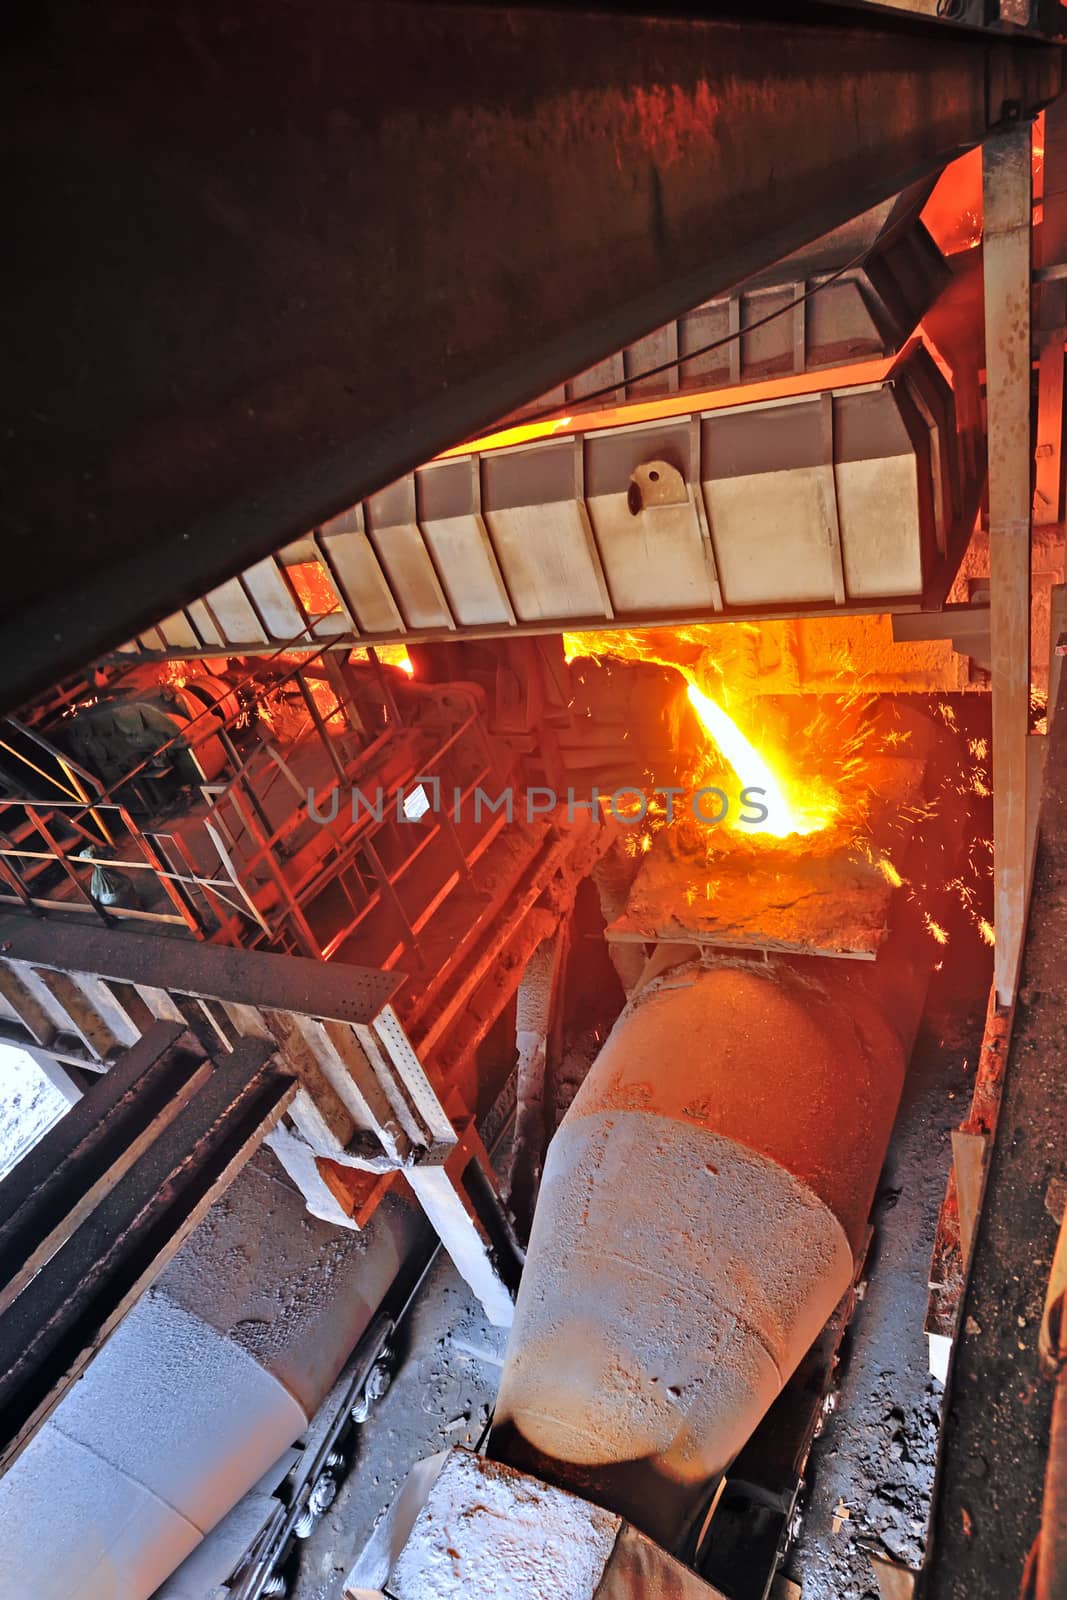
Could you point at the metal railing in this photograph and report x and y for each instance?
(278, 823)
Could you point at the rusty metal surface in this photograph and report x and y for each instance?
(996, 1429)
(364, 1107)
(90, 1273)
(1007, 249)
(267, 258)
(869, 310)
(349, 994)
(949, 1255)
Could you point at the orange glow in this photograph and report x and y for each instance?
(522, 433)
(313, 588)
(174, 673)
(798, 803)
(954, 212)
(784, 816)
(889, 872)
(390, 655)
(679, 405)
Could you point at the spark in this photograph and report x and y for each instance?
(889, 872)
(935, 929)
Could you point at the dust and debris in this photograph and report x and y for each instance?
(29, 1105)
(442, 1395)
(877, 1452)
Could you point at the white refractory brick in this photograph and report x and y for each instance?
(466, 1527)
(463, 1528)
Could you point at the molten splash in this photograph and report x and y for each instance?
(797, 803)
(782, 818)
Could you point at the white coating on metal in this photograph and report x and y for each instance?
(673, 1282)
(197, 1393)
(464, 1528)
(483, 1532)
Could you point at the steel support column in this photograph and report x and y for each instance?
(265, 258)
(1007, 196)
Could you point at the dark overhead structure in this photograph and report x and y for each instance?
(266, 259)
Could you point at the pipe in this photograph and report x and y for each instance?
(211, 1376)
(699, 1216)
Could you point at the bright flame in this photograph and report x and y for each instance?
(390, 655)
(505, 438)
(753, 771)
(797, 802)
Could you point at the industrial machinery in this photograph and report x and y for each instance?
(533, 618)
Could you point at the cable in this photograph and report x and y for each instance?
(525, 417)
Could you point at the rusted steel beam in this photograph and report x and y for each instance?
(77, 1258)
(1007, 191)
(57, 1183)
(954, 1237)
(344, 993)
(316, 245)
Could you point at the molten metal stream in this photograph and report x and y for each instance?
(751, 768)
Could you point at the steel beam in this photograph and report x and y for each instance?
(355, 995)
(1006, 191)
(363, 1101)
(265, 258)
